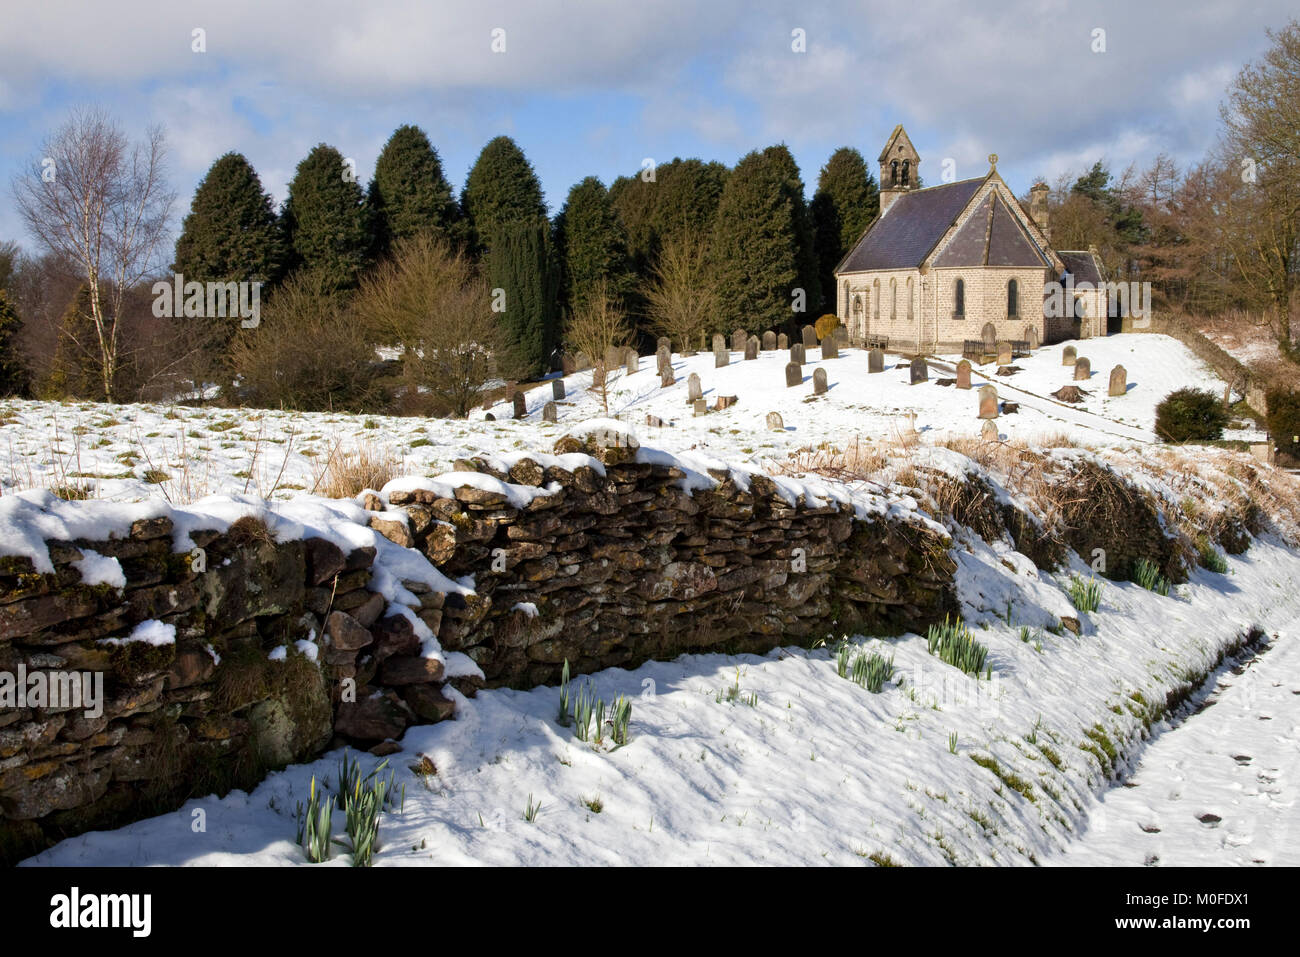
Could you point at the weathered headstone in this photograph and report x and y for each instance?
(654, 421)
(876, 360)
(783, 342)
(557, 389)
(798, 353)
(963, 374)
(568, 364)
(774, 422)
(663, 342)
(724, 402)
(1118, 381)
(489, 417)
(819, 380)
(549, 413)
(751, 347)
(663, 360)
(631, 362)
(1004, 353)
(990, 336)
(841, 336)
(1033, 338)
(721, 357)
(521, 405)
(793, 375)
(738, 339)
(989, 431)
(693, 389)
(582, 362)
(666, 377)
(830, 348)
(769, 341)
(613, 358)
(719, 342)
(919, 371)
(809, 335)
(700, 407)
(1082, 369)
(988, 402)
(1068, 355)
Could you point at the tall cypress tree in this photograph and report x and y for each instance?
(519, 266)
(846, 202)
(590, 245)
(409, 193)
(13, 371)
(755, 251)
(501, 192)
(231, 233)
(801, 225)
(326, 219)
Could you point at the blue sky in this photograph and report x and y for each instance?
(592, 87)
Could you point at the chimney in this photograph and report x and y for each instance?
(1038, 207)
(887, 197)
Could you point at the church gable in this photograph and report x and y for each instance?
(990, 233)
(968, 244)
(1009, 243)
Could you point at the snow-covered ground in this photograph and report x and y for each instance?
(182, 453)
(776, 759)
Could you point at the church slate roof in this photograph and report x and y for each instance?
(1081, 265)
(1009, 243)
(910, 228)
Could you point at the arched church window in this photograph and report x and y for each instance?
(875, 288)
(1013, 305)
(959, 294)
(907, 165)
(910, 297)
(893, 172)
(893, 296)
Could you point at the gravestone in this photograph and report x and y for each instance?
(666, 377)
(654, 422)
(663, 342)
(557, 389)
(568, 365)
(841, 336)
(809, 335)
(1004, 353)
(613, 358)
(663, 360)
(1068, 355)
(783, 341)
(1032, 338)
(798, 353)
(989, 431)
(582, 362)
(751, 347)
(549, 412)
(489, 417)
(769, 341)
(793, 375)
(521, 405)
(721, 357)
(631, 362)
(738, 339)
(774, 423)
(700, 407)
(1082, 370)
(990, 336)
(819, 381)
(988, 402)
(830, 348)
(1118, 381)
(963, 374)
(693, 390)
(920, 372)
(719, 342)
(876, 360)
(725, 402)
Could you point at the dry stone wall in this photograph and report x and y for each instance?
(274, 650)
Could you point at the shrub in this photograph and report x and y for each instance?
(1284, 422)
(349, 473)
(826, 326)
(1191, 415)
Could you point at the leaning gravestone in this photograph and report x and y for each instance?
(1004, 353)
(549, 412)
(700, 407)
(819, 381)
(798, 353)
(920, 372)
(557, 389)
(830, 348)
(793, 375)
(809, 337)
(693, 389)
(990, 336)
(774, 423)
(751, 347)
(631, 362)
(663, 360)
(721, 357)
(738, 339)
(521, 405)
(1118, 381)
(1082, 370)
(841, 336)
(989, 431)
(613, 358)
(988, 402)
(666, 377)
(1068, 355)
(783, 342)
(769, 341)
(963, 374)
(719, 342)
(876, 361)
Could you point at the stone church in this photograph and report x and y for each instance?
(944, 265)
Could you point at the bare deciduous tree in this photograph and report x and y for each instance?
(597, 325)
(682, 296)
(96, 199)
